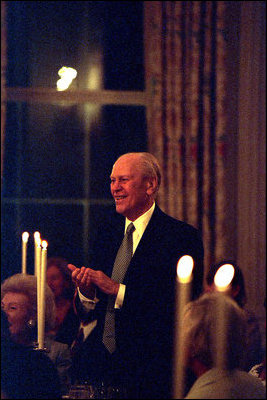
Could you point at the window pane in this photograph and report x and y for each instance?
(60, 225)
(10, 241)
(48, 149)
(123, 45)
(123, 130)
(67, 151)
(102, 40)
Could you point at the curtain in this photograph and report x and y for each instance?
(185, 56)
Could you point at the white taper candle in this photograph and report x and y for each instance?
(183, 286)
(25, 237)
(41, 334)
(222, 281)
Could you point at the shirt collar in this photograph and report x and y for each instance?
(141, 222)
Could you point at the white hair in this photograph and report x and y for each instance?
(27, 285)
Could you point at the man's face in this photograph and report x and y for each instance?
(129, 188)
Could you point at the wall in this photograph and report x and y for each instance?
(251, 157)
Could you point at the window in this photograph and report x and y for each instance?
(60, 145)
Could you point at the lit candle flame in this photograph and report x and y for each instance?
(44, 244)
(37, 238)
(224, 276)
(184, 269)
(25, 237)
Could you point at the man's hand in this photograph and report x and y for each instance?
(82, 280)
(88, 279)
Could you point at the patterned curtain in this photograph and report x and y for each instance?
(185, 76)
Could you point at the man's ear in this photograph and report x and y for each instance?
(151, 186)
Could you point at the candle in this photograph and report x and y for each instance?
(25, 237)
(183, 285)
(41, 310)
(222, 281)
(37, 273)
(37, 252)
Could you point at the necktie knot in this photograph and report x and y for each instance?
(130, 228)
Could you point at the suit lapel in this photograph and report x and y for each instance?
(152, 231)
(115, 236)
(145, 248)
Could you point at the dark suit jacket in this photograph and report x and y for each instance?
(144, 324)
(69, 328)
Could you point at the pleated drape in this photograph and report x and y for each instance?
(185, 73)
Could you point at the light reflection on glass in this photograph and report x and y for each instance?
(67, 74)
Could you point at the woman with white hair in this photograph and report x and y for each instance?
(200, 338)
(19, 302)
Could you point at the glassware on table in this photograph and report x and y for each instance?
(98, 391)
(81, 392)
(103, 391)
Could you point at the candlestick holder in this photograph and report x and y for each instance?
(35, 346)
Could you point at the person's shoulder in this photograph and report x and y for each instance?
(254, 387)
(222, 384)
(174, 223)
(55, 347)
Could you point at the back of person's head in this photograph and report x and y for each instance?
(200, 326)
(237, 284)
(27, 285)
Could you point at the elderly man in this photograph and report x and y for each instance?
(130, 298)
